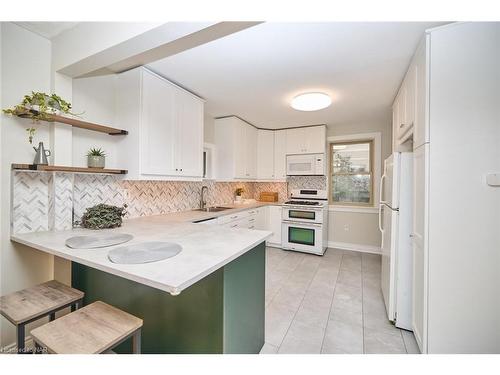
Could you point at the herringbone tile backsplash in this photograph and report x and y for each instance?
(45, 201)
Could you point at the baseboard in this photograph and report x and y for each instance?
(354, 247)
(12, 348)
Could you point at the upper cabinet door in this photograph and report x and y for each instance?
(421, 128)
(239, 148)
(295, 143)
(307, 140)
(315, 139)
(251, 151)
(189, 135)
(265, 154)
(280, 154)
(157, 133)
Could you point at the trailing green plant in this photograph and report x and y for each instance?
(96, 152)
(239, 191)
(46, 105)
(31, 133)
(103, 216)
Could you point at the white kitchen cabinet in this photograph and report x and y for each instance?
(251, 151)
(421, 128)
(419, 237)
(236, 148)
(455, 239)
(165, 125)
(280, 154)
(306, 140)
(265, 154)
(274, 225)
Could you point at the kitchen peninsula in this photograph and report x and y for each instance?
(207, 299)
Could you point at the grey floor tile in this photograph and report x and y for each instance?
(410, 342)
(342, 337)
(349, 277)
(313, 314)
(302, 339)
(378, 342)
(351, 317)
(278, 320)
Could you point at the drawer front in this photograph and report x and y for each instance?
(233, 217)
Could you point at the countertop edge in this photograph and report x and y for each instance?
(173, 290)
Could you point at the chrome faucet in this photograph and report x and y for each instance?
(203, 202)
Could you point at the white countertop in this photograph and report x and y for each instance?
(206, 248)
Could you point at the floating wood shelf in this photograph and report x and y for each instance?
(79, 124)
(55, 168)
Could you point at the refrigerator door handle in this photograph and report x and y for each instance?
(382, 189)
(380, 206)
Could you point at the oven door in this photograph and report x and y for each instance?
(306, 215)
(302, 237)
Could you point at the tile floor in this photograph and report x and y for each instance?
(328, 304)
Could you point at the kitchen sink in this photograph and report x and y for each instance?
(212, 209)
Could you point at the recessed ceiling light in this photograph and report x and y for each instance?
(311, 101)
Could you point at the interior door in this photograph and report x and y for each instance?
(387, 276)
(157, 138)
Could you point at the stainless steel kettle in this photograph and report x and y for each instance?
(41, 155)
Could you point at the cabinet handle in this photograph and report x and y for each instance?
(181, 169)
(176, 169)
(251, 220)
(400, 126)
(251, 227)
(234, 217)
(233, 226)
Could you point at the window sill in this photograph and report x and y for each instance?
(358, 209)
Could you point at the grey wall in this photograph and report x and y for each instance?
(359, 227)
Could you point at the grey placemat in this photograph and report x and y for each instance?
(145, 252)
(96, 241)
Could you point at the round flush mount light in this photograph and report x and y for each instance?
(311, 101)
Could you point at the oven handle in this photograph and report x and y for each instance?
(301, 208)
(380, 207)
(319, 225)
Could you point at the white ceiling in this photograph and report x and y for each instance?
(255, 73)
(48, 30)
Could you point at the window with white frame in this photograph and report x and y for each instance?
(351, 172)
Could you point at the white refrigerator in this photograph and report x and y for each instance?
(395, 223)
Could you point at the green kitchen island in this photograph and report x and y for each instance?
(207, 299)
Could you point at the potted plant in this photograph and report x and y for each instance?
(96, 158)
(239, 191)
(40, 106)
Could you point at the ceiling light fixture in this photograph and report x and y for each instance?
(311, 101)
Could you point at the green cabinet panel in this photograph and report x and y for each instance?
(222, 313)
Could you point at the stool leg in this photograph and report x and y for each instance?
(38, 348)
(20, 338)
(136, 342)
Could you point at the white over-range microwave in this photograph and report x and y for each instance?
(305, 165)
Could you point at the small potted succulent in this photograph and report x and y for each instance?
(96, 158)
(239, 192)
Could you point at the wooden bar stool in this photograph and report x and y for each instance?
(93, 329)
(28, 305)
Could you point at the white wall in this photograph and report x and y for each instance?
(359, 228)
(25, 66)
(209, 128)
(96, 98)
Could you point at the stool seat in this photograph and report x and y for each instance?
(40, 300)
(92, 329)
